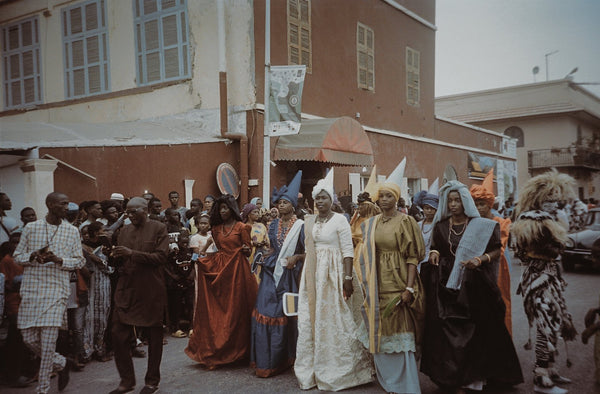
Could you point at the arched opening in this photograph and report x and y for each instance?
(516, 132)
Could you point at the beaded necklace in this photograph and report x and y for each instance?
(282, 231)
(457, 236)
(227, 234)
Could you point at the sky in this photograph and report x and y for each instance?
(486, 44)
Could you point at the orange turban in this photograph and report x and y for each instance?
(478, 192)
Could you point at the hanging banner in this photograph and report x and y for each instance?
(285, 99)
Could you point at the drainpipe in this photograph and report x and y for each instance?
(242, 138)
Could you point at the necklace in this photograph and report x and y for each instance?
(282, 231)
(457, 236)
(227, 234)
(423, 227)
(48, 237)
(321, 220)
(386, 219)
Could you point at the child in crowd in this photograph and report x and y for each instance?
(180, 290)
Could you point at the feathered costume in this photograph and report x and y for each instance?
(540, 239)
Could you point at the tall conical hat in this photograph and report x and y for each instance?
(371, 187)
(488, 181)
(398, 174)
(435, 187)
(289, 192)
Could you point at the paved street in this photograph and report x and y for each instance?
(181, 375)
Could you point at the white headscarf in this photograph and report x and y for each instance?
(323, 185)
(465, 196)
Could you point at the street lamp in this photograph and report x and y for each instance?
(546, 55)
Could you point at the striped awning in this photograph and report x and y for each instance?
(341, 141)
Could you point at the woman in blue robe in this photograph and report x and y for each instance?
(274, 335)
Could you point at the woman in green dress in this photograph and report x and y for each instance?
(394, 303)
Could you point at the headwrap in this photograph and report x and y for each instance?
(431, 199)
(246, 211)
(288, 192)
(254, 200)
(479, 192)
(467, 201)
(323, 185)
(391, 187)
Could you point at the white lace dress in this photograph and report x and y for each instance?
(329, 354)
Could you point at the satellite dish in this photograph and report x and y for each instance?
(450, 174)
(535, 70)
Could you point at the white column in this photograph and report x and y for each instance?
(189, 184)
(38, 182)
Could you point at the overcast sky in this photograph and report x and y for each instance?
(485, 44)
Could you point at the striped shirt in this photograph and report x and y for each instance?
(45, 287)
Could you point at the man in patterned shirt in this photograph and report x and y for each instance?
(49, 249)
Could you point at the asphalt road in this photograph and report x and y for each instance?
(181, 375)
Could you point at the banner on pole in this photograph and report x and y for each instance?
(285, 99)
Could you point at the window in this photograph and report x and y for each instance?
(365, 53)
(161, 38)
(86, 49)
(413, 90)
(21, 63)
(516, 132)
(299, 33)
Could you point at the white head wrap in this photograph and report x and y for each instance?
(325, 184)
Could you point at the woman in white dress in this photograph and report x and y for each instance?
(329, 354)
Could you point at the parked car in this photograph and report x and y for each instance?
(583, 246)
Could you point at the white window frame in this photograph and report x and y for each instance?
(413, 77)
(19, 52)
(294, 18)
(182, 45)
(367, 51)
(85, 37)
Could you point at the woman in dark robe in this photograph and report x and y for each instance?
(466, 344)
(226, 291)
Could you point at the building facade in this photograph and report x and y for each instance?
(102, 96)
(556, 124)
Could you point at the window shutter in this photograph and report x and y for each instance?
(91, 16)
(26, 34)
(75, 19)
(13, 37)
(365, 55)
(412, 76)
(299, 33)
(150, 7)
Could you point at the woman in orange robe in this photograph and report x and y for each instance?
(226, 291)
(484, 200)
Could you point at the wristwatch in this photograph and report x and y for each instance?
(348, 277)
(411, 290)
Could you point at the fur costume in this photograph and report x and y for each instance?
(539, 240)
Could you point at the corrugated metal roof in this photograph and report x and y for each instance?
(195, 126)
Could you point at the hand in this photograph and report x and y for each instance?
(434, 258)
(291, 262)
(121, 251)
(246, 250)
(406, 297)
(348, 289)
(49, 256)
(471, 264)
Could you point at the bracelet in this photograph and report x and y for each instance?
(410, 290)
(348, 277)
(434, 251)
(488, 256)
(478, 259)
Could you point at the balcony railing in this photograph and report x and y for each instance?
(564, 157)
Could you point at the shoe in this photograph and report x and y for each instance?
(556, 378)
(139, 353)
(165, 341)
(191, 333)
(121, 390)
(63, 374)
(148, 389)
(549, 390)
(178, 334)
(21, 381)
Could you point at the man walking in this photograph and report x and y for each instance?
(49, 249)
(140, 296)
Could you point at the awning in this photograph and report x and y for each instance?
(332, 140)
